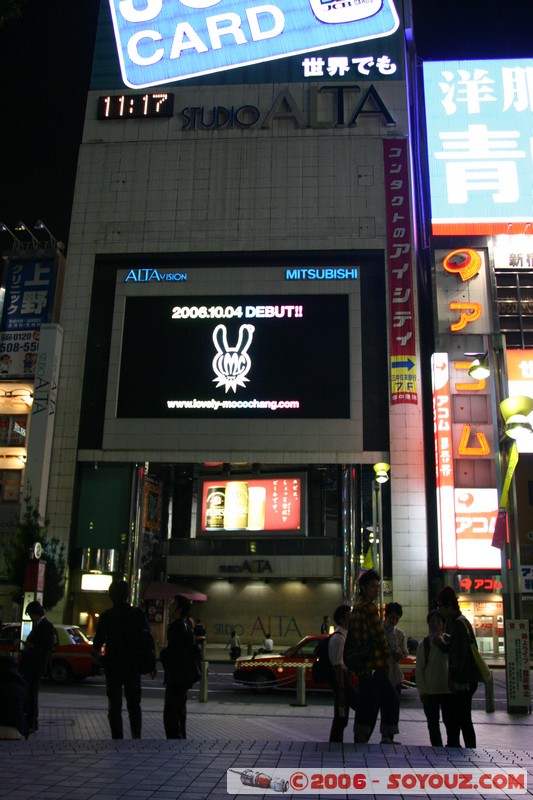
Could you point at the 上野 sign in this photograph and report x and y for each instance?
(160, 41)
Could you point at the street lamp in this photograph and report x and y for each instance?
(479, 368)
(22, 227)
(40, 226)
(381, 470)
(515, 412)
(17, 244)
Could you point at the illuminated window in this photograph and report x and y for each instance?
(10, 485)
(515, 303)
(13, 430)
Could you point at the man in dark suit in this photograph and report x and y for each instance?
(13, 701)
(35, 658)
(120, 632)
(178, 662)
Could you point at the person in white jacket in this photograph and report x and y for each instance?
(432, 676)
(397, 642)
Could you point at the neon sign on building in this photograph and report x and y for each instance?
(467, 497)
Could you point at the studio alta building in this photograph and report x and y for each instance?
(242, 360)
(240, 336)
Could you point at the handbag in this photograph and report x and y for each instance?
(193, 665)
(479, 661)
(184, 667)
(484, 671)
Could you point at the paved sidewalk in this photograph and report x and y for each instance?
(72, 758)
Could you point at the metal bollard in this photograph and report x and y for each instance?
(489, 694)
(300, 687)
(249, 650)
(204, 683)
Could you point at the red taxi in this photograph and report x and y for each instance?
(268, 670)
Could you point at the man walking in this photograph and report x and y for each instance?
(35, 658)
(120, 633)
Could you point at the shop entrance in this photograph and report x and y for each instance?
(486, 618)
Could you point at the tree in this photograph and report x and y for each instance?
(28, 530)
(9, 9)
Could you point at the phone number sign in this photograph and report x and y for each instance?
(161, 41)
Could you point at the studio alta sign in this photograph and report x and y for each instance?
(255, 567)
(341, 105)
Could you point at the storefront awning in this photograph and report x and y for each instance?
(167, 591)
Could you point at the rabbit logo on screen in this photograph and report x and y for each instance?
(232, 364)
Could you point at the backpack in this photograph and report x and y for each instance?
(322, 669)
(146, 659)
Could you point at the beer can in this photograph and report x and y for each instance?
(214, 508)
(256, 508)
(236, 507)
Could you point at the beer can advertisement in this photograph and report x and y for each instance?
(251, 504)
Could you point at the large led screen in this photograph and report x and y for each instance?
(479, 117)
(255, 356)
(252, 505)
(167, 41)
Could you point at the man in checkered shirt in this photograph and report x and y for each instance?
(376, 692)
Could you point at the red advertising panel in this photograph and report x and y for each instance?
(399, 255)
(444, 476)
(251, 504)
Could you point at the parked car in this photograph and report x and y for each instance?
(264, 671)
(71, 655)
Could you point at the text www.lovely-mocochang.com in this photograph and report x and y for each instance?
(233, 405)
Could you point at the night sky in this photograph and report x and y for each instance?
(45, 65)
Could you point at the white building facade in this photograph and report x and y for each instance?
(230, 315)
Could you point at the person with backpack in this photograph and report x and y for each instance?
(432, 676)
(344, 691)
(121, 634)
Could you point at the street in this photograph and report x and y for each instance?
(90, 694)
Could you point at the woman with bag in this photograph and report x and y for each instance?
(463, 672)
(181, 662)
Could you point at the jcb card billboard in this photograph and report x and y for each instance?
(161, 41)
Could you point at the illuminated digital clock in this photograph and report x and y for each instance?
(135, 106)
